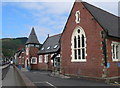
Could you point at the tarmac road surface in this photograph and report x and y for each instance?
(42, 79)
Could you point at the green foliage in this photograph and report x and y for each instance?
(10, 45)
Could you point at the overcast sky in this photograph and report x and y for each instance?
(47, 17)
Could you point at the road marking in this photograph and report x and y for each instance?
(38, 82)
(46, 83)
(39, 73)
(51, 84)
(114, 84)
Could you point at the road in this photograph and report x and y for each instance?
(42, 79)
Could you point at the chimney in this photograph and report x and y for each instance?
(48, 35)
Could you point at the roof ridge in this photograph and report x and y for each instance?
(100, 8)
(106, 20)
(55, 35)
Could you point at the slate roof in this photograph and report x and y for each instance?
(19, 52)
(51, 42)
(32, 38)
(108, 21)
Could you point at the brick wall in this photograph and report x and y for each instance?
(114, 70)
(43, 65)
(93, 67)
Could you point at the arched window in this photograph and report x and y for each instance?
(78, 45)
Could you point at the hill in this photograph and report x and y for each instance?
(10, 45)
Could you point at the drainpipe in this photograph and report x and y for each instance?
(104, 35)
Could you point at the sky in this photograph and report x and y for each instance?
(48, 17)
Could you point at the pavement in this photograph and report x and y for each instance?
(11, 78)
(44, 79)
(4, 71)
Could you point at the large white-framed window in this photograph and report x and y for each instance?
(34, 60)
(46, 58)
(40, 58)
(115, 51)
(78, 46)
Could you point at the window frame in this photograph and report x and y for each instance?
(77, 17)
(55, 46)
(114, 56)
(46, 58)
(48, 47)
(27, 51)
(37, 46)
(40, 58)
(76, 34)
(42, 48)
(35, 60)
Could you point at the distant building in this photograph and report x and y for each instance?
(31, 47)
(19, 56)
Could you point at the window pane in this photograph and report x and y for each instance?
(78, 31)
(75, 53)
(78, 41)
(75, 42)
(79, 55)
(117, 52)
(83, 42)
(83, 53)
(78, 14)
(33, 60)
(113, 51)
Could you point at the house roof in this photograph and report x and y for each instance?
(19, 52)
(51, 45)
(32, 38)
(108, 21)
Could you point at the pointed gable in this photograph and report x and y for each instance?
(106, 20)
(32, 38)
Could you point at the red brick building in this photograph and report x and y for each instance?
(31, 48)
(49, 54)
(90, 43)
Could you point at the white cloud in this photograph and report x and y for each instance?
(31, 5)
(42, 32)
(58, 7)
(50, 17)
(58, 0)
(37, 0)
